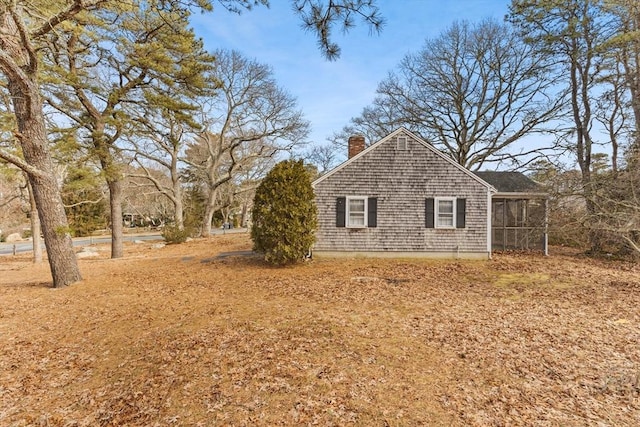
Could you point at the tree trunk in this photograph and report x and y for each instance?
(209, 210)
(178, 206)
(179, 213)
(32, 135)
(117, 229)
(114, 183)
(631, 63)
(243, 215)
(207, 219)
(36, 230)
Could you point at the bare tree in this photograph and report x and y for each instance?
(160, 142)
(473, 91)
(375, 122)
(248, 118)
(573, 32)
(144, 205)
(616, 221)
(611, 110)
(324, 157)
(242, 189)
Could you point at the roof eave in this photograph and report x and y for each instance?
(520, 195)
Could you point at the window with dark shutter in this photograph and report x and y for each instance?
(356, 212)
(341, 204)
(445, 212)
(372, 212)
(461, 212)
(429, 213)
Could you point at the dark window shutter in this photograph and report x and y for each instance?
(341, 211)
(461, 211)
(429, 213)
(372, 212)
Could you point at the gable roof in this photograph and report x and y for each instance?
(418, 140)
(510, 182)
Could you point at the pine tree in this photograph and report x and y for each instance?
(84, 202)
(284, 214)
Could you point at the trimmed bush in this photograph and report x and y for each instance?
(284, 214)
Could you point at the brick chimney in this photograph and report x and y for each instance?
(356, 145)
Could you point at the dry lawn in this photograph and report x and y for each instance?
(179, 336)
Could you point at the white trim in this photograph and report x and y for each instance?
(403, 254)
(419, 140)
(436, 212)
(489, 221)
(347, 212)
(546, 227)
(520, 195)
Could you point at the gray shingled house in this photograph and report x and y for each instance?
(401, 197)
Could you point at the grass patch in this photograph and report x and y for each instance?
(161, 337)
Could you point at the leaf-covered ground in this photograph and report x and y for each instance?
(180, 336)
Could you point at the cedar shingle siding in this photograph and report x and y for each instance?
(401, 185)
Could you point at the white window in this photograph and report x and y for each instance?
(402, 143)
(356, 212)
(445, 213)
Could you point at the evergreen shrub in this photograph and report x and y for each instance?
(284, 214)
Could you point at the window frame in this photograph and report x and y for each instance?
(436, 212)
(348, 221)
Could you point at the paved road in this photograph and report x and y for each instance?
(8, 248)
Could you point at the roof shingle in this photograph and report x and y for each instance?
(510, 182)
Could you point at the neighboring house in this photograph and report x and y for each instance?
(401, 197)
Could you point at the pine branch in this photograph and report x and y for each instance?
(73, 9)
(21, 164)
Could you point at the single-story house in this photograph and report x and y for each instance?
(401, 197)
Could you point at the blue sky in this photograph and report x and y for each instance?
(330, 93)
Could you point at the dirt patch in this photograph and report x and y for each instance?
(180, 335)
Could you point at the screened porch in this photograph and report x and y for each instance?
(518, 212)
(518, 224)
